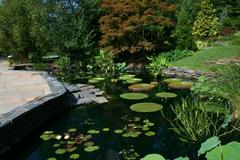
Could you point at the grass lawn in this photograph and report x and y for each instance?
(197, 60)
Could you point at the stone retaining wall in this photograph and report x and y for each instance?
(17, 123)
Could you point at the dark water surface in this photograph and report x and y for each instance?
(112, 115)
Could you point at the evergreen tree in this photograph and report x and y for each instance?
(185, 20)
(207, 24)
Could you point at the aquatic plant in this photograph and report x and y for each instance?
(93, 131)
(171, 80)
(126, 77)
(129, 154)
(74, 156)
(134, 96)
(166, 95)
(180, 85)
(133, 80)
(91, 148)
(153, 157)
(195, 125)
(226, 85)
(146, 107)
(142, 87)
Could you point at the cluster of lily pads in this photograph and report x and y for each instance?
(178, 84)
(70, 141)
(96, 80)
(135, 127)
(129, 154)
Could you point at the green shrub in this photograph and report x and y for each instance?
(40, 67)
(157, 65)
(176, 54)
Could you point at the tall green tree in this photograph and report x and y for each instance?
(207, 24)
(187, 10)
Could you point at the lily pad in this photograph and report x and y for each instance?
(52, 158)
(180, 85)
(60, 151)
(72, 149)
(87, 144)
(92, 131)
(172, 80)
(154, 83)
(93, 81)
(142, 87)
(48, 132)
(229, 151)
(134, 96)
(105, 129)
(146, 107)
(208, 145)
(72, 130)
(74, 156)
(153, 157)
(98, 79)
(166, 95)
(215, 108)
(150, 133)
(133, 80)
(126, 77)
(46, 137)
(132, 134)
(91, 148)
(118, 131)
(56, 145)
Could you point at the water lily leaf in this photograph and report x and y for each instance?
(93, 81)
(71, 149)
(180, 85)
(98, 78)
(72, 130)
(91, 148)
(133, 80)
(48, 132)
(208, 145)
(87, 144)
(134, 96)
(126, 77)
(92, 131)
(229, 151)
(154, 83)
(153, 157)
(105, 129)
(60, 151)
(171, 80)
(166, 95)
(142, 87)
(56, 145)
(150, 133)
(182, 158)
(45, 137)
(74, 156)
(146, 107)
(118, 131)
(214, 108)
(52, 158)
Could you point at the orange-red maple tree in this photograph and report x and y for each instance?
(135, 26)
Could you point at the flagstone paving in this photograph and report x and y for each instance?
(20, 87)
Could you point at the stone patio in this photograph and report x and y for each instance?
(20, 87)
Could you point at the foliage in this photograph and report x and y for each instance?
(21, 28)
(194, 124)
(185, 20)
(40, 67)
(135, 26)
(157, 65)
(176, 54)
(206, 24)
(226, 84)
(64, 66)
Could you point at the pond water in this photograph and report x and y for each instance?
(112, 116)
